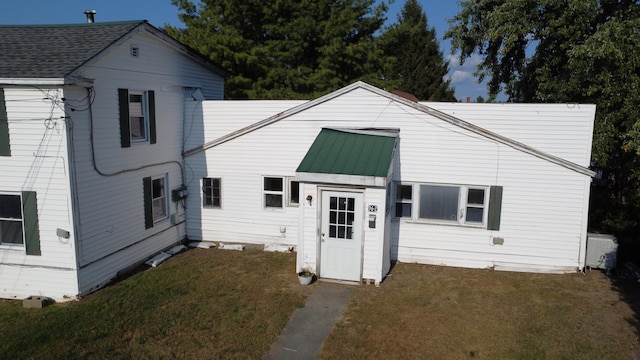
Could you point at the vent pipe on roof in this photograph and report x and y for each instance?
(90, 16)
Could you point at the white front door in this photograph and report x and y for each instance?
(341, 235)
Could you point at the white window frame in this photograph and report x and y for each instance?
(462, 206)
(8, 245)
(265, 193)
(164, 198)
(145, 116)
(290, 192)
(205, 194)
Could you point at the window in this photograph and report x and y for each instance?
(404, 196)
(19, 222)
(211, 192)
(5, 150)
(11, 220)
(273, 191)
(475, 206)
(137, 117)
(294, 193)
(155, 200)
(439, 202)
(453, 204)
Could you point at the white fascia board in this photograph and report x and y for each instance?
(32, 81)
(342, 179)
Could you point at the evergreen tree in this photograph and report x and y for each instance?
(416, 64)
(585, 51)
(287, 48)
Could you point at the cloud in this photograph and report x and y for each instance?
(461, 76)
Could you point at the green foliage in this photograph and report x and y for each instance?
(585, 51)
(286, 48)
(415, 63)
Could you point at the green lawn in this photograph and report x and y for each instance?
(201, 304)
(214, 304)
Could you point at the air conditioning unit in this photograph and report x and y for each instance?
(601, 251)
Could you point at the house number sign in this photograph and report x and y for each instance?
(373, 208)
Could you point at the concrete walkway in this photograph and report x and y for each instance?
(302, 338)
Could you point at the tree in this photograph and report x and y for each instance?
(585, 51)
(417, 64)
(285, 48)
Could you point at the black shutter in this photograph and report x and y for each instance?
(152, 116)
(5, 150)
(495, 208)
(125, 131)
(30, 221)
(148, 206)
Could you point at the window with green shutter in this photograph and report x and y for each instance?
(19, 221)
(137, 117)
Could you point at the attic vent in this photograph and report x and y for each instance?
(135, 51)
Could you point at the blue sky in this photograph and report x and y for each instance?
(161, 12)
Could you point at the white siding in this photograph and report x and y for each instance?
(563, 130)
(110, 207)
(38, 162)
(544, 204)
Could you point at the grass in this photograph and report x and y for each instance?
(213, 304)
(431, 312)
(204, 304)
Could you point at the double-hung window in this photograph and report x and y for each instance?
(211, 193)
(19, 222)
(156, 206)
(273, 192)
(404, 200)
(137, 117)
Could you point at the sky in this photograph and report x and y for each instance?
(161, 12)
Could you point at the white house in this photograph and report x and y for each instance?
(361, 177)
(91, 130)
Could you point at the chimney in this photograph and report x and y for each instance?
(90, 16)
(468, 99)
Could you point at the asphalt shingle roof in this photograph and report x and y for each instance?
(54, 51)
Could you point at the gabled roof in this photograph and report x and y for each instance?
(56, 51)
(350, 152)
(418, 106)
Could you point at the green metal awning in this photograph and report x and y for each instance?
(361, 156)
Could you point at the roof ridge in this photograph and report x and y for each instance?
(126, 22)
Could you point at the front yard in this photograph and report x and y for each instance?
(227, 304)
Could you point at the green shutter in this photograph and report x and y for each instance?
(495, 207)
(30, 220)
(125, 131)
(5, 150)
(148, 206)
(152, 116)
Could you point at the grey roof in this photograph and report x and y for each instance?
(54, 51)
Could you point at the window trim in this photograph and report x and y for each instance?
(165, 193)
(211, 188)
(9, 245)
(290, 192)
(147, 185)
(265, 192)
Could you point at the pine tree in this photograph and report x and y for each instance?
(416, 64)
